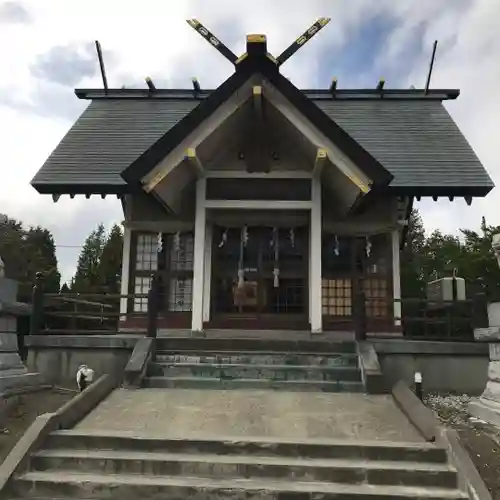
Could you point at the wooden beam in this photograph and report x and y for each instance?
(257, 99)
(321, 159)
(195, 138)
(237, 174)
(259, 204)
(341, 161)
(195, 162)
(257, 151)
(155, 180)
(189, 156)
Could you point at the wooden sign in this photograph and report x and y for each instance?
(246, 295)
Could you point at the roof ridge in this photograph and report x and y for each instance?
(358, 93)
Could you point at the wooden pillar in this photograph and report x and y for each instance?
(199, 255)
(396, 276)
(127, 233)
(315, 257)
(208, 273)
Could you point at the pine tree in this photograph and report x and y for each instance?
(110, 264)
(480, 266)
(86, 279)
(42, 255)
(11, 242)
(412, 279)
(26, 252)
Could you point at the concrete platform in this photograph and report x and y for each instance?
(191, 413)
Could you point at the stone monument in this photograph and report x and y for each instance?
(487, 407)
(14, 376)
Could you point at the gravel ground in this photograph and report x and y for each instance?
(481, 440)
(20, 416)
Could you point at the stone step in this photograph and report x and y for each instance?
(258, 358)
(254, 371)
(255, 344)
(251, 446)
(243, 466)
(81, 485)
(186, 382)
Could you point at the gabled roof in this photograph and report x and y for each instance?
(257, 64)
(410, 133)
(404, 140)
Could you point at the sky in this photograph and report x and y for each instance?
(47, 50)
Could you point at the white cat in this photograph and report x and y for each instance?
(84, 377)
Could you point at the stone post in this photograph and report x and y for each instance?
(487, 407)
(14, 377)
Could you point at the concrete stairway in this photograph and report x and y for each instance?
(255, 364)
(80, 465)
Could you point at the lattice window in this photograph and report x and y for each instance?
(141, 285)
(180, 272)
(181, 252)
(337, 297)
(180, 296)
(289, 297)
(376, 293)
(147, 252)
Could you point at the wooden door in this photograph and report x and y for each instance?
(259, 281)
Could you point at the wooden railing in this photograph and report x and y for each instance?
(90, 313)
(423, 319)
(99, 313)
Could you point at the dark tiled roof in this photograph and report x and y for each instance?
(415, 139)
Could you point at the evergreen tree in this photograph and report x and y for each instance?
(411, 258)
(11, 242)
(42, 255)
(110, 263)
(26, 252)
(480, 265)
(442, 253)
(87, 279)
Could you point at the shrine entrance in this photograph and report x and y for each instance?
(260, 277)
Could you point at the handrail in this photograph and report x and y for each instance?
(421, 318)
(50, 304)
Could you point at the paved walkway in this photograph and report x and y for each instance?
(243, 413)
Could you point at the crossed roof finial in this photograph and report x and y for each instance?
(253, 40)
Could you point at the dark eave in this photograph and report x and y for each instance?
(317, 94)
(438, 191)
(262, 65)
(86, 189)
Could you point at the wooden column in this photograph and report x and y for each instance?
(127, 233)
(315, 257)
(208, 273)
(199, 255)
(396, 276)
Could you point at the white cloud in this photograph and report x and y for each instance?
(467, 58)
(152, 38)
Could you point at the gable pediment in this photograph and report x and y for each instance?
(256, 129)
